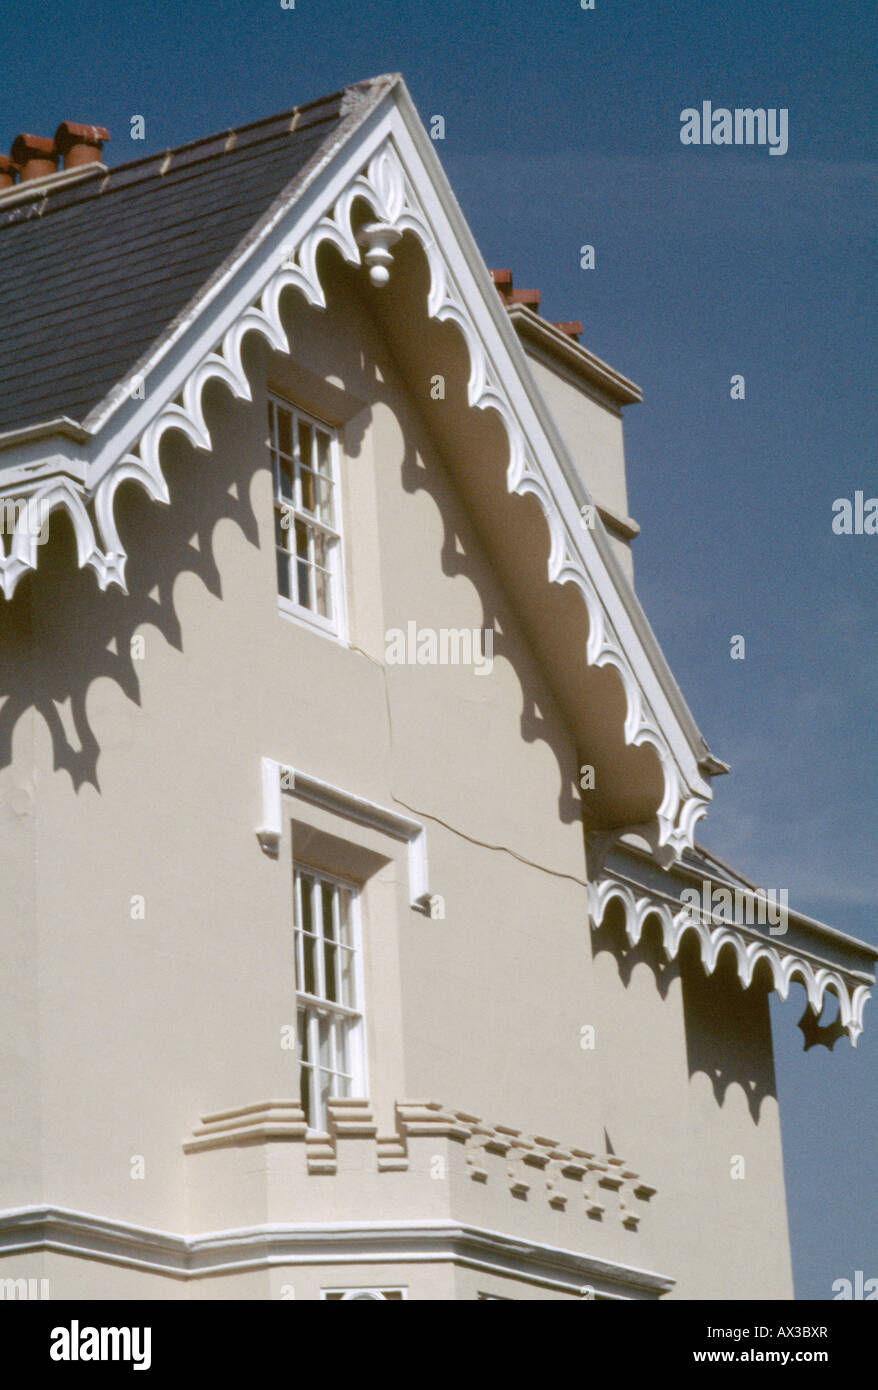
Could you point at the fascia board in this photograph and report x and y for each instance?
(826, 945)
(820, 958)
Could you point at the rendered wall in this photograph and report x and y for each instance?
(122, 1032)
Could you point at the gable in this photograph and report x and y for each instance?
(389, 167)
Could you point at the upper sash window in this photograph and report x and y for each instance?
(307, 526)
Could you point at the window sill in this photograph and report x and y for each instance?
(303, 618)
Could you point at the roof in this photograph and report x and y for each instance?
(94, 271)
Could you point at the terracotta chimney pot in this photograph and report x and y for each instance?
(80, 144)
(8, 172)
(35, 156)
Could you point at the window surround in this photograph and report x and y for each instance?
(313, 523)
(309, 822)
(279, 778)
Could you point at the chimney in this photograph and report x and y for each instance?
(503, 285)
(8, 172)
(35, 156)
(79, 144)
(503, 282)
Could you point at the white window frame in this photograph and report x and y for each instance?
(337, 625)
(315, 1006)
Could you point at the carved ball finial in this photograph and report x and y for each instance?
(376, 239)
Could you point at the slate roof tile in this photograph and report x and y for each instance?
(96, 271)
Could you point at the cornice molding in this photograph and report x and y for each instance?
(336, 1243)
(715, 933)
(384, 184)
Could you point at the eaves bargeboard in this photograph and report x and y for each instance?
(377, 152)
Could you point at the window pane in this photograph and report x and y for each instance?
(324, 1093)
(285, 478)
(325, 1056)
(322, 576)
(327, 509)
(321, 550)
(305, 1069)
(330, 968)
(283, 573)
(309, 983)
(329, 892)
(343, 1045)
(309, 491)
(316, 495)
(302, 566)
(348, 981)
(285, 433)
(323, 454)
(305, 1093)
(300, 960)
(282, 522)
(322, 593)
(344, 917)
(306, 884)
(305, 443)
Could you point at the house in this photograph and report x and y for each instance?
(330, 973)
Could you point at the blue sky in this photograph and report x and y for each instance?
(562, 127)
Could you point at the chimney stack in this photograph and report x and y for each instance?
(503, 282)
(79, 144)
(35, 156)
(8, 172)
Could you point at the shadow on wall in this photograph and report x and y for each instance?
(462, 556)
(728, 1028)
(59, 632)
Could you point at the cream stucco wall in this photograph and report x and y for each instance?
(134, 779)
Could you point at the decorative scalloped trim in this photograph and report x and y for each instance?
(785, 965)
(384, 186)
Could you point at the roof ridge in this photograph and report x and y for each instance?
(348, 97)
